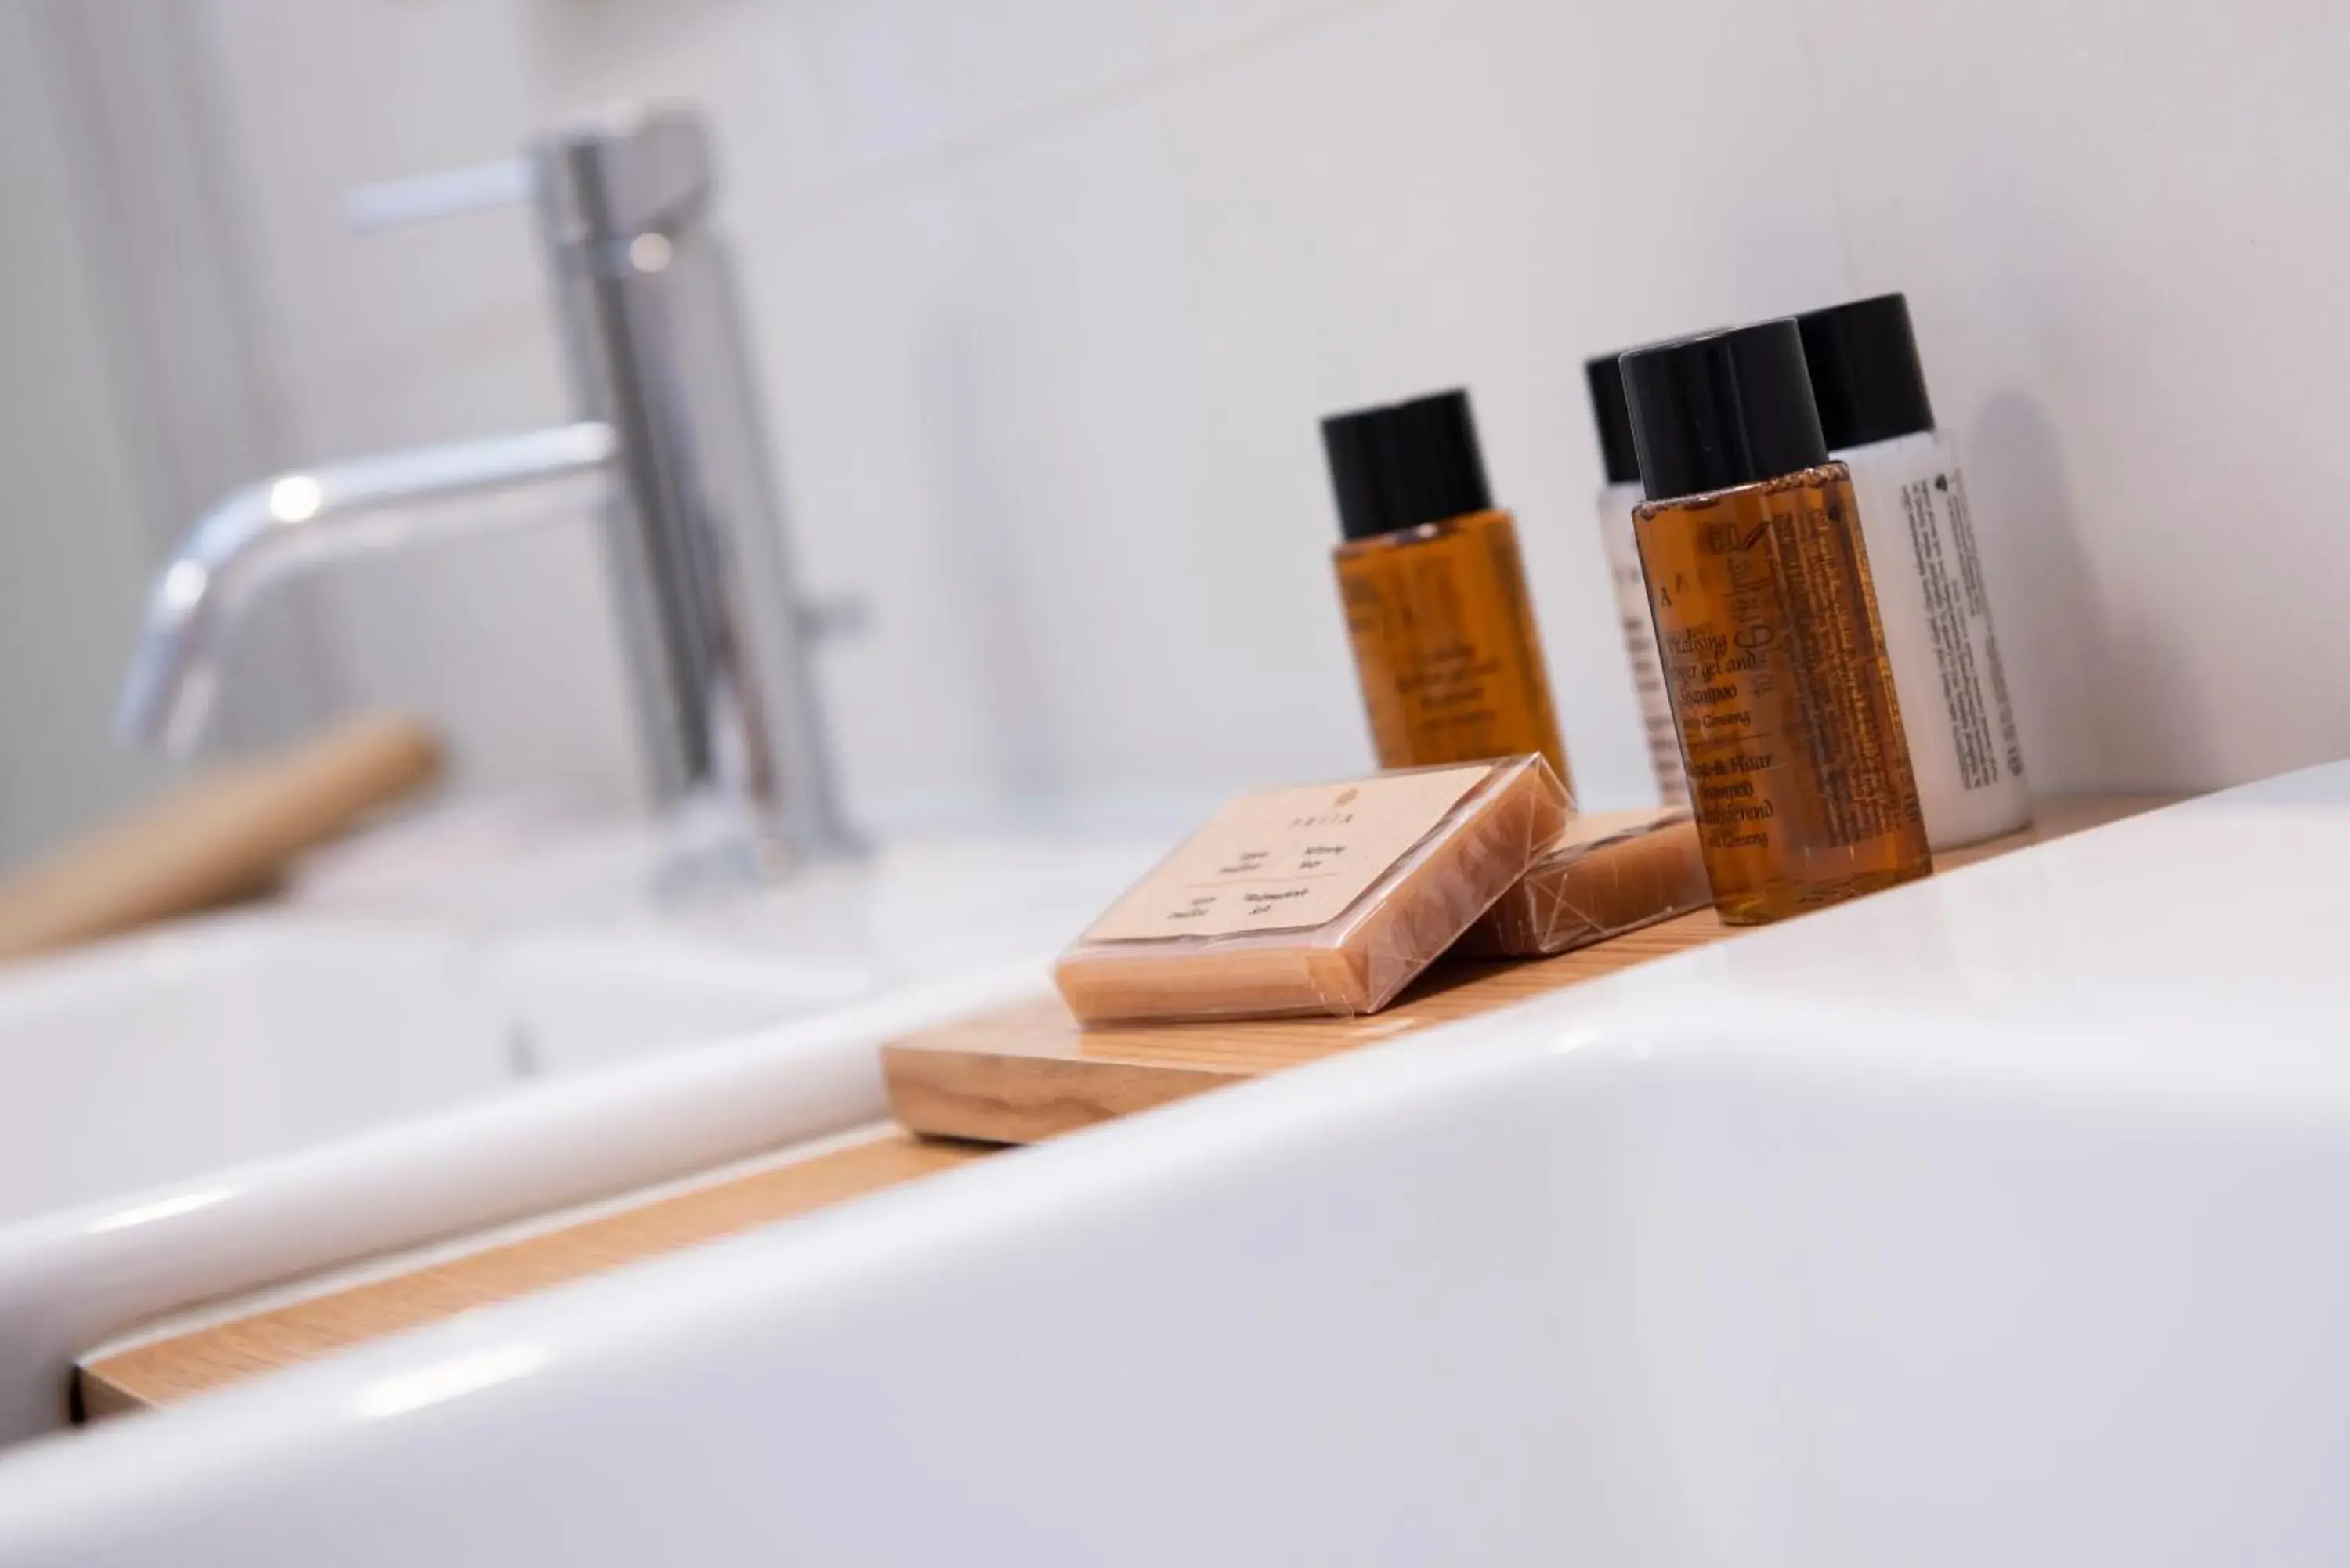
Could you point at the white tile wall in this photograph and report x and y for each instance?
(2121, 227)
(1050, 293)
(69, 503)
(1097, 345)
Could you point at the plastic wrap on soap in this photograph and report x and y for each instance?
(1354, 962)
(1607, 873)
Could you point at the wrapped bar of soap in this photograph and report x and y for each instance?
(1608, 873)
(1326, 899)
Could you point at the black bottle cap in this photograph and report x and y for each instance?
(1722, 409)
(1405, 465)
(1865, 376)
(1617, 455)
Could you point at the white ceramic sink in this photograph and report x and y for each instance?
(240, 1100)
(1995, 1220)
(145, 1061)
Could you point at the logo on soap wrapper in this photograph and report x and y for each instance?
(1337, 817)
(1287, 860)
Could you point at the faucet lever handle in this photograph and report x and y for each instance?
(446, 193)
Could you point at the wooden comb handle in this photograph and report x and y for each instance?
(222, 837)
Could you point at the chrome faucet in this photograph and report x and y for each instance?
(718, 640)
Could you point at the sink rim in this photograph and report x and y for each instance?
(73, 1274)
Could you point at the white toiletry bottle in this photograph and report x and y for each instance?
(1622, 465)
(1871, 391)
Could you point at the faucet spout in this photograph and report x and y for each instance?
(299, 520)
(717, 638)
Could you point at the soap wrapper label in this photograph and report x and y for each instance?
(1287, 860)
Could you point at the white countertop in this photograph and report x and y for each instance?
(1995, 1218)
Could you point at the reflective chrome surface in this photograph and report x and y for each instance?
(301, 520)
(718, 640)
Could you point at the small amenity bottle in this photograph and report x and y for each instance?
(1445, 644)
(1877, 419)
(1751, 543)
(1622, 465)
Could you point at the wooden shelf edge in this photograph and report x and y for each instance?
(1030, 1098)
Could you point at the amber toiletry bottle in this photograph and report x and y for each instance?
(1750, 540)
(1435, 599)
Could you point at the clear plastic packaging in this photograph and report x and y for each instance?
(1372, 881)
(1608, 873)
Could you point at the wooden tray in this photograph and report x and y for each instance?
(1029, 1071)
(168, 1366)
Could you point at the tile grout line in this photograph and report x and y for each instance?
(837, 196)
(1798, 11)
